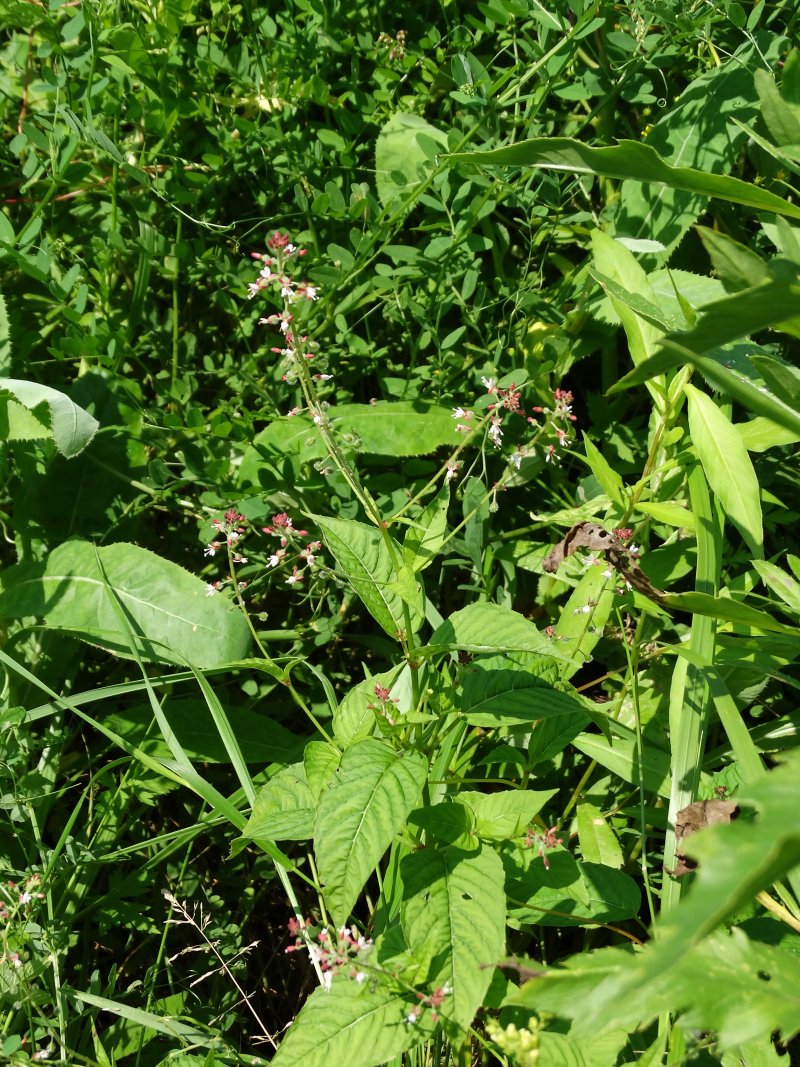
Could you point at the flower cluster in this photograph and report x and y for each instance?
(522, 1046)
(430, 1000)
(342, 952)
(543, 840)
(15, 898)
(396, 45)
(230, 531)
(386, 706)
(275, 274)
(290, 537)
(508, 401)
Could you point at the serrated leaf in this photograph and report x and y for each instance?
(349, 1025)
(597, 839)
(359, 815)
(492, 628)
(354, 719)
(70, 427)
(171, 615)
(727, 467)
(506, 814)
(425, 537)
(567, 893)
(498, 697)
(453, 914)
(284, 809)
(362, 555)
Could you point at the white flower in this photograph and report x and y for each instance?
(211, 589)
(327, 978)
(361, 976)
(311, 292)
(490, 384)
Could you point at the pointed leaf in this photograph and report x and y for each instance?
(70, 427)
(454, 915)
(362, 554)
(169, 610)
(359, 815)
(727, 466)
(349, 1025)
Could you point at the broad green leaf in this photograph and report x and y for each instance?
(737, 860)
(491, 628)
(70, 427)
(628, 159)
(780, 583)
(354, 719)
(359, 815)
(451, 822)
(597, 839)
(321, 761)
(727, 466)
(506, 814)
(174, 619)
(453, 915)
(552, 735)
(350, 1025)
(386, 428)
(695, 132)
(609, 480)
(405, 157)
(566, 892)
(426, 535)
(736, 264)
(498, 697)
(284, 809)
(668, 512)
(363, 557)
(620, 756)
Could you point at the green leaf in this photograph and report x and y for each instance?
(628, 159)
(453, 914)
(491, 628)
(349, 1025)
(760, 434)
(780, 583)
(620, 756)
(737, 861)
(426, 535)
(359, 815)
(284, 809)
(354, 719)
(498, 697)
(405, 157)
(727, 466)
(610, 481)
(386, 428)
(598, 841)
(725, 607)
(736, 264)
(781, 118)
(506, 814)
(169, 611)
(671, 354)
(782, 378)
(578, 631)
(70, 427)
(668, 512)
(566, 893)
(364, 559)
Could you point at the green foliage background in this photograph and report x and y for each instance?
(587, 197)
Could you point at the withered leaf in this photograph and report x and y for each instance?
(592, 536)
(693, 818)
